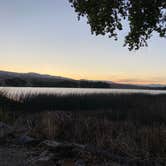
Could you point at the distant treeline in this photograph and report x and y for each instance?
(18, 82)
(70, 83)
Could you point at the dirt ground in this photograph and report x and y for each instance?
(16, 155)
(13, 155)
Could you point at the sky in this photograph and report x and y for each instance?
(45, 36)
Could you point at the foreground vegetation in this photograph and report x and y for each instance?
(129, 125)
(143, 108)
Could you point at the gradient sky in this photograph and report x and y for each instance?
(45, 36)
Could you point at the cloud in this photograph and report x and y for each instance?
(155, 80)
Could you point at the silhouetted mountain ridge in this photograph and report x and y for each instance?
(44, 80)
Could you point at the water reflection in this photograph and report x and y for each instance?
(23, 91)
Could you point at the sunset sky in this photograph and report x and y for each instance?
(45, 36)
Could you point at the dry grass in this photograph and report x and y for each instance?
(131, 124)
(143, 108)
(124, 138)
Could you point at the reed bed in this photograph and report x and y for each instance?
(145, 108)
(122, 138)
(133, 125)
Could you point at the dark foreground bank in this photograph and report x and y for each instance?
(70, 139)
(130, 127)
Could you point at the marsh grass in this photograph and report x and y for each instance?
(125, 138)
(143, 108)
(128, 124)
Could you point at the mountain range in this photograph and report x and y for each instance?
(42, 80)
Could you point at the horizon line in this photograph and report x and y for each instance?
(128, 80)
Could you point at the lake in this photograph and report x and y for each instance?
(16, 91)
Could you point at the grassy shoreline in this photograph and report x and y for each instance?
(145, 108)
(133, 125)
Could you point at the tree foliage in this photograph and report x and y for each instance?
(106, 17)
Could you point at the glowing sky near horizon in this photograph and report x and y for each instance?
(45, 36)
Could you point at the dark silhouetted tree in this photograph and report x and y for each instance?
(106, 16)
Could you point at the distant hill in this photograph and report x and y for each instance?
(43, 80)
(40, 80)
(7, 75)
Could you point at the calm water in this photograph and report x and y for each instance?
(16, 91)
